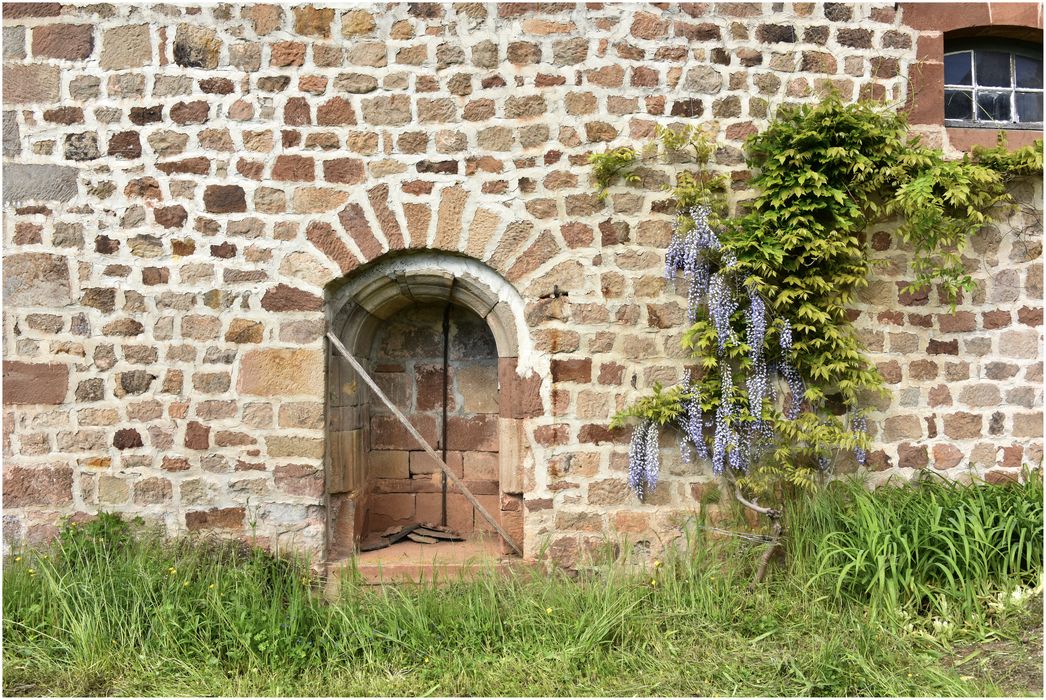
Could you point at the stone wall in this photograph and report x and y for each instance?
(184, 186)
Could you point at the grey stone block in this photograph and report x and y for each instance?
(12, 146)
(24, 182)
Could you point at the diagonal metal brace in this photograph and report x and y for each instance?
(343, 351)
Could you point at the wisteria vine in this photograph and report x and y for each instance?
(731, 424)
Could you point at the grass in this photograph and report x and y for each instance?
(932, 547)
(109, 611)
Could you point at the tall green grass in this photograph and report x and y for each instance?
(931, 548)
(108, 610)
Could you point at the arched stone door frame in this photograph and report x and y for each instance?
(356, 306)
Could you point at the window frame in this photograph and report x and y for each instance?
(1011, 47)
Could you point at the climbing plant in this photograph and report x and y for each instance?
(776, 396)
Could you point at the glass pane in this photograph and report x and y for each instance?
(958, 104)
(1029, 72)
(957, 70)
(993, 68)
(993, 106)
(1029, 106)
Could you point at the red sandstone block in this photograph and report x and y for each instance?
(37, 486)
(512, 522)
(429, 383)
(294, 168)
(348, 171)
(598, 433)
(549, 435)
(393, 507)
(71, 42)
(574, 370)
(479, 432)
(958, 322)
(224, 518)
(415, 486)
(520, 397)
(1030, 316)
(387, 433)
(1012, 457)
(492, 503)
(34, 383)
(460, 514)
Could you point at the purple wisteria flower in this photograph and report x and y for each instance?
(721, 306)
(692, 422)
(859, 425)
(791, 374)
(644, 458)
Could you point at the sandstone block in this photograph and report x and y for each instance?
(70, 42)
(1027, 425)
(357, 23)
(36, 279)
(29, 83)
(195, 112)
(963, 425)
(299, 480)
(34, 383)
(387, 433)
(129, 46)
(294, 446)
(393, 110)
(336, 111)
(197, 436)
(293, 168)
(287, 53)
(312, 21)
(388, 464)
(125, 144)
(196, 47)
(479, 432)
(244, 331)
(285, 298)
(278, 372)
(314, 200)
(215, 518)
(127, 438)
(301, 414)
(224, 199)
(152, 491)
(37, 486)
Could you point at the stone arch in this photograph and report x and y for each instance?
(357, 305)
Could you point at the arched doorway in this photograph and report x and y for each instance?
(398, 317)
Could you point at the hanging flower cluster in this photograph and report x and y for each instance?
(644, 458)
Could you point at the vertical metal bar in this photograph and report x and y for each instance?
(446, 387)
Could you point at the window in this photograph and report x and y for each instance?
(993, 84)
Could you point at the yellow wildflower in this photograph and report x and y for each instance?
(548, 611)
(653, 582)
